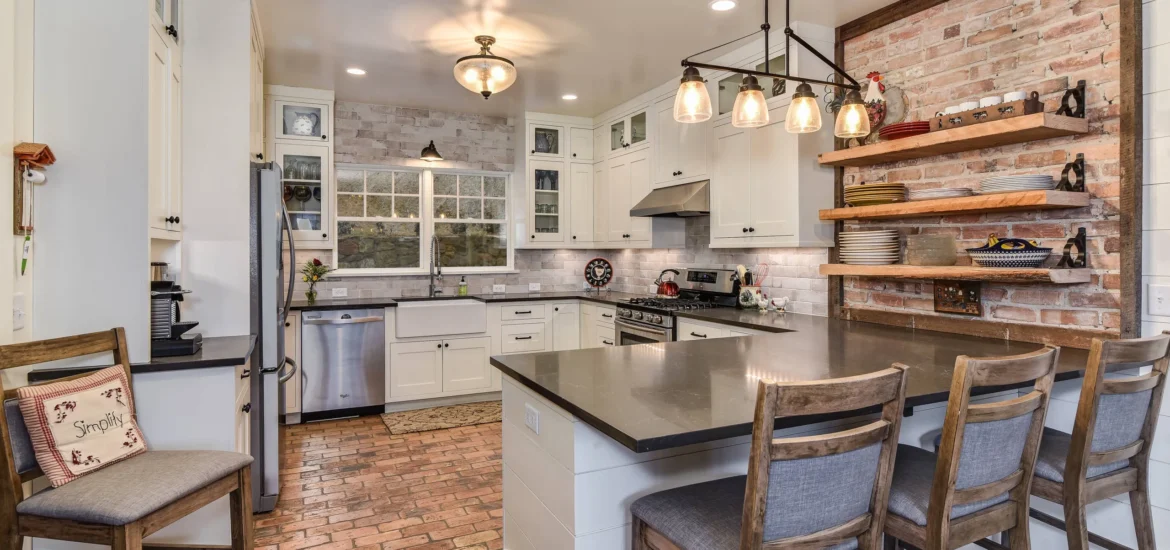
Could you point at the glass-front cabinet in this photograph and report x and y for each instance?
(547, 140)
(307, 188)
(546, 199)
(629, 133)
(301, 121)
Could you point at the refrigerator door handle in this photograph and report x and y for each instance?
(286, 377)
(292, 262)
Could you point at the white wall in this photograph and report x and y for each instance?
(91, 109)
(216, 133)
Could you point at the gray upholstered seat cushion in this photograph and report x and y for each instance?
(22, 449)
(705, 516)
(913, 477)
(1053, 456)
(134, 488)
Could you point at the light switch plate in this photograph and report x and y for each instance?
(499, 289)
(533, 287)
(18, 311)
(532, 418)
(340, 292)
(1159, 297)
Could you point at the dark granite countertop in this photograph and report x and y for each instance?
(217, 351)
(769, 321)
(659, 396)
(351, 303)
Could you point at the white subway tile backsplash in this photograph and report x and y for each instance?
(1156, 69)
(1156, 207)
(1156, 161)
(1156, 256)
(1156, 107)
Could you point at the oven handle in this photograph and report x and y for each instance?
(663, 333)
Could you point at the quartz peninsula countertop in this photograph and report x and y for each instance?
(659, 396)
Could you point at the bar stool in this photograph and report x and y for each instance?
(1108, 452)
(823, 491)
(977, 484)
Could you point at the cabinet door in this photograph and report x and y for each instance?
(581, 203)
(638, 129)
(600, 202)
(730, 201)
(588, 333)
(546, 197)
(666, 147)
(618, 139)
(257, 105)
(175, 146)
(639, 227)
(292, 388)
(600, 143)
(546, 140)
(416, 368)
(301, 120)
(617, 203)
(581, 144)
(772, 161)
(689, 331)
(465, 364)
(693, 149)
(158, 104)
(566, 327)
(605, 335)
(308, 189)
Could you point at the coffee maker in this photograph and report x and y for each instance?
(167, 328)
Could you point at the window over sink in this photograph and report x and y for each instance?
(386, 217)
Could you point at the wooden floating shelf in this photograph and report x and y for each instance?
(961, 273)
(978, 204)
(968, 138)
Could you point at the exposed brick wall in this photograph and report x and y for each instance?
(963, 50)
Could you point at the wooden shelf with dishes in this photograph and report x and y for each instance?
(978, 204)
(997, 133)
(961, 273)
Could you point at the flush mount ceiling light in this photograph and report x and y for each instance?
(569, 97)
(750, 108)
(356, 71)
(721, 5)
(430, 154)
(485, 73)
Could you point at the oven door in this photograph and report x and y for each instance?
(629, 333)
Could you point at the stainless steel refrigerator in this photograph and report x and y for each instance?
(271, 282)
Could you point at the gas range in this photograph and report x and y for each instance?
(659, 311)
(652, 319)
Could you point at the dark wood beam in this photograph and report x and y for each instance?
(885, 16)
(1131, 168)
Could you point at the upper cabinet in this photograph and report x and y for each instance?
(164, 120)
(630, 132)
(580, 145)
(256, 142)
(547, 194)
(553, 181)
(546, 141)
(681, 151)
(300, 142)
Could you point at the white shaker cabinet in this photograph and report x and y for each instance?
(566, 326)
(580, 203)
(580, 145)
(466, 365)
(627, 182)
(416, 368)
(300, 141)
(164, 131)
(681, 150)
(547, 200)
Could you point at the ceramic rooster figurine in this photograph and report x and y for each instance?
(875, 100)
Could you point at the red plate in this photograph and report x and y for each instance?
(905, 134)
(904, 126)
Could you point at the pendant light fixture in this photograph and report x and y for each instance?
(852, 119)
(804, 115)
(485, 73)
(751, 109)
(692, 103)
(430, 154)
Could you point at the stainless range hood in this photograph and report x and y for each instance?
(678, 201)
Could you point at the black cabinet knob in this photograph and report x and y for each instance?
(176, 219)
(440, 346)
(260, 156)
(287, 324)
(574, 237)
(247, 408)
(324, 235)
(324, 137)
(745, 230)
(446, 345)
(534, 236)
(534, 151)
(171, 30)
(751, 230)
(574, 155)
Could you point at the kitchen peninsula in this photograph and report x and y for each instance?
(587, 432)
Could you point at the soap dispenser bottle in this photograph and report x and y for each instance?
(462, 286)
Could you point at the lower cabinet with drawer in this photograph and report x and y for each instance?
(689, 330)
(434, 367)
(523, 312)
(523, 337)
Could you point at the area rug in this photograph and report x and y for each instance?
(438, 418)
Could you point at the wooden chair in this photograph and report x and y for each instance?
(823, 491)
(1108, 452)
(124, 502)
(977, 485)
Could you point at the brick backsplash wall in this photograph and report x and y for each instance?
(963, 50)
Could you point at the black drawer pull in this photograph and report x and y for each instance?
(607, 342)
(524, 312)
(523, 337)
(607, 315)
(247, 408)
(696, 335)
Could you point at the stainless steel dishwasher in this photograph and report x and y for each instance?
(343, 359)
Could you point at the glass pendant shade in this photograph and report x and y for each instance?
(692, 103)
(750, 110)
(485, 73)
(430, 153)
(852, 119)
(804, 116)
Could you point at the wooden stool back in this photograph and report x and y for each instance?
(886, 389)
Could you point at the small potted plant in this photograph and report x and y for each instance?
(313, 273)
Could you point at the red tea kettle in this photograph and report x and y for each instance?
(667, 289)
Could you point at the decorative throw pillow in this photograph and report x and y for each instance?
(81, 425)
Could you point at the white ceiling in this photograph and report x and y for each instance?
(605, 51)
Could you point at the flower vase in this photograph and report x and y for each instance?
(311, 295)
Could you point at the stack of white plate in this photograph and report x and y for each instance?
(943, 193)
(870, 247)
(1007, 184)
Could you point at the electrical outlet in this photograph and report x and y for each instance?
(532, 418)
(499, 289)
(1159, 296)
(533, 287)
(340, 292)
(18, 311)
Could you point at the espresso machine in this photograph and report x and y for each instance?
(168, 336)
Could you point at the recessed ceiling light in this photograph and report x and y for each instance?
(356, 71)
(569, 97)
(721, 5)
